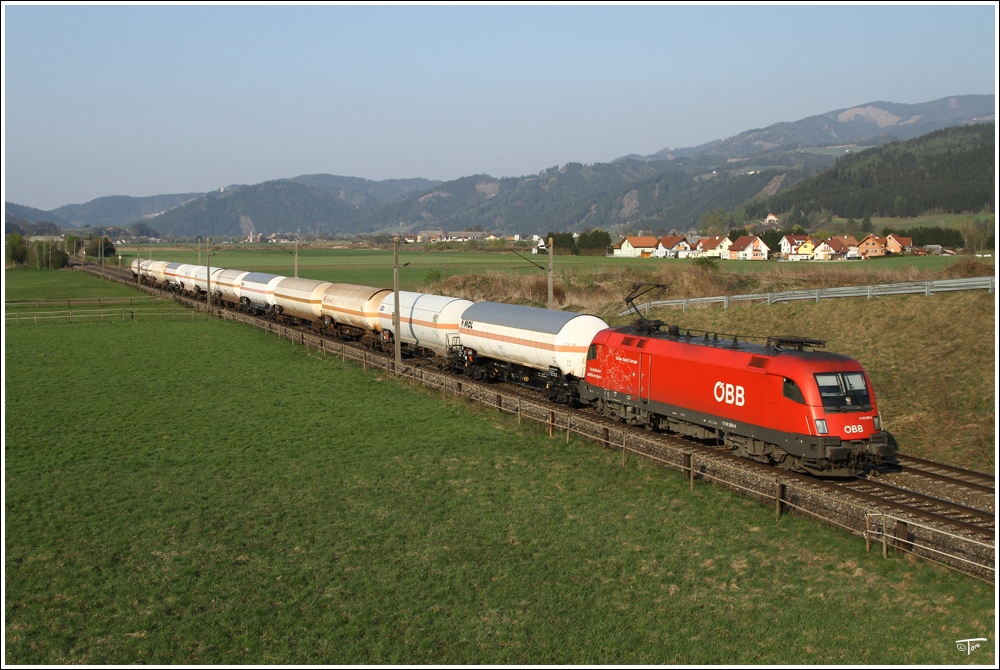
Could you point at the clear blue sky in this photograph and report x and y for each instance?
(149, 99)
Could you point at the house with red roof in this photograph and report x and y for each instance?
(853, 251)
(897, 244)
(797, 247)
(830, 250)
(713, 247)
(748, 248)
(872, 246)
(672, 246)
(635, 246)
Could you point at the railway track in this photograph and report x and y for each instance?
(948, 474)
(966, 529)
(938, 510)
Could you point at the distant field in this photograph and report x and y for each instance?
(203, 493)
(425, 265)
(62, 285)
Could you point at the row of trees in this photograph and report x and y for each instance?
(54, 254)
(594, 243)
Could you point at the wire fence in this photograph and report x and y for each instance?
(927, 288)
(70, 303)
(84, 315)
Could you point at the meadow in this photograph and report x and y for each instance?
(426, 265)
(202, 493)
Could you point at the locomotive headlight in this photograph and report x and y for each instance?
(878, 421)
(821, 427)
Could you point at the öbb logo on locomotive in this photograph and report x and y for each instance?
(785, 402)
(730, 394)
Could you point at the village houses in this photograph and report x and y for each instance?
(897, 244)
(748, 248)
(714, 247)
(837, 248)
(672, 246)
(636, 247)
(797, 247)
(872, 246)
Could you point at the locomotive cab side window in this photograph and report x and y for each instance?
(592, 352)
(792, 391)
(845, 391)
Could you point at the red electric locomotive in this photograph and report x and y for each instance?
(800, 409)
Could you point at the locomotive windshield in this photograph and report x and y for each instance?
(844, 391)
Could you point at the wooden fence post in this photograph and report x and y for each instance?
(779, 493)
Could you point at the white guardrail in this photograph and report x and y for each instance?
(874, 291)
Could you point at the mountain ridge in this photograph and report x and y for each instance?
(667, 189)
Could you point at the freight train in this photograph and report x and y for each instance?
(783, 402)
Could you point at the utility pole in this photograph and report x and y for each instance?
(551, 252)
(395, 311)
(208, 276)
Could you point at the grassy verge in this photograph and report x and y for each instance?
(203, 493)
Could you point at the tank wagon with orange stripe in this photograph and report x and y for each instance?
(184, 277)
(428, 324)
(257, 292)
(200, 280)
(300, 299)
(226, 286)
(152, 272)
(350, 311)
(538, 347)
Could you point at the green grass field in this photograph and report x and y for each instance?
(203, 493)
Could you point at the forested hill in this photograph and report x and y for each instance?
(950, 170)
(794, 169)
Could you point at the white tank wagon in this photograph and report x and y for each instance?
(350, 311)
(257, 291)
(426, 322)
(180, 276)
(528, 345)
(300, 299)
(227, 286)
(200, 277)
(140, 268)
(153, 272)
